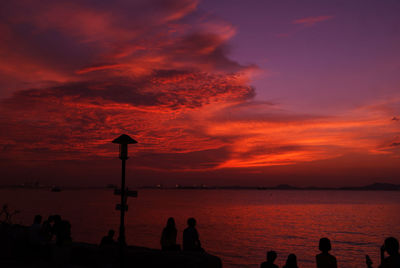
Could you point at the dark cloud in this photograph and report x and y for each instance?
(74, 120)
(169, 89)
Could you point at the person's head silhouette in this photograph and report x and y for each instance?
(271, 256)
(291, 261)
(37, 219)
(170, 223)
(191, 222)
(392, 246)
(111, 233)
(325, 245)
(57, 218)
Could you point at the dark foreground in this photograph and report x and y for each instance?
(16, 252)
(88, 255)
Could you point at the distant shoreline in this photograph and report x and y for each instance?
(371, 187)
(285, 187)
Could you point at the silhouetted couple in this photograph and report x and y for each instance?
(391, 246)
(42, 234)
(40, 237)
(191, 241)
(291, 261)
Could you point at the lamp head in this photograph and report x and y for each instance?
(124, 139)
(123, 142)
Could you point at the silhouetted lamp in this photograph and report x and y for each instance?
(123, 142)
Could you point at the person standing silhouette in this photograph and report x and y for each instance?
(168, 236)
(324, 259)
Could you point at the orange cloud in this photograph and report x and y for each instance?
(282, 139)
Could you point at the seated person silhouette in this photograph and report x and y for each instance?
(324, 259)
(36, 235)
(56, 228)
(391, 246)
(48, 228)
(61, 254)
(191, 241)
(291, 261)
(168, 236)
(63, 234)
(108, 239)
(271, 257)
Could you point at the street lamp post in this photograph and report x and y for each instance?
(123, 142)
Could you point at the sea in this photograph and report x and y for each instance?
(239, 226)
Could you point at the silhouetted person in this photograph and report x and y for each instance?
(62, 251)
(63, 233)
(36, 237)
(291, 261)
(271, 257)
(56, 226)
(391, 246)
(168, 236)
(324, 259)
(48, 228)
(108, 239)
(191, 241)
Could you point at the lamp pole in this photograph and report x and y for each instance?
(122, 240)
(123, 142)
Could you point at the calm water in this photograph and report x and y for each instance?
(236, 225)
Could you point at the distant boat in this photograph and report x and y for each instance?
(55, 189)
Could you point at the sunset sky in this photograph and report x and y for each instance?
(217, 92)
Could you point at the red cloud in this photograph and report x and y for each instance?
(112, 68)
(77, 120)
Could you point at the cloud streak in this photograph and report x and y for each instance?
(311, 21)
